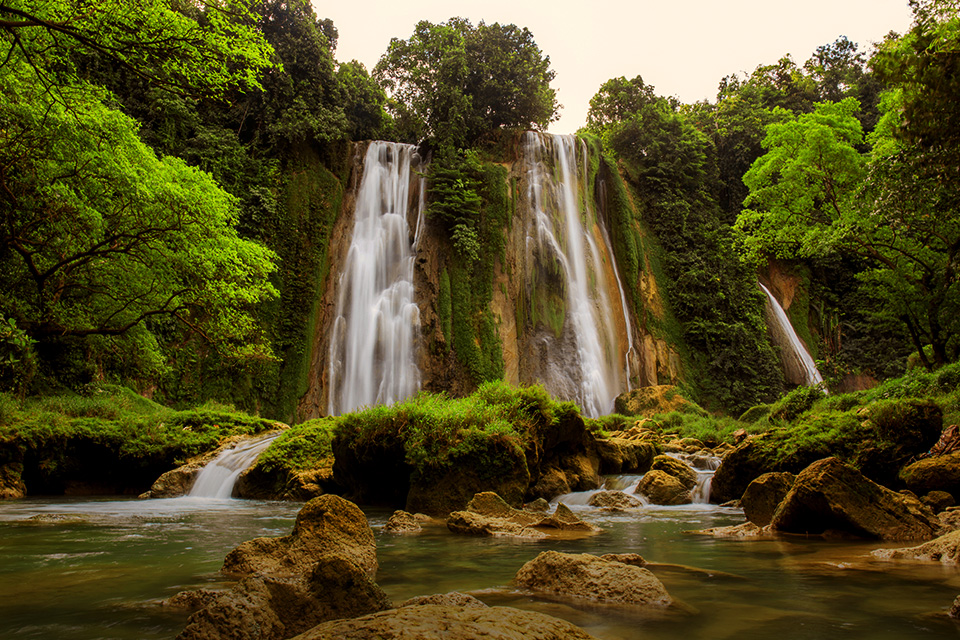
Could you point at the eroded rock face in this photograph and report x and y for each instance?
(661, 488)
(764, 495)
(831, 496)
(444, 622)
(322, 571)
(588, 577)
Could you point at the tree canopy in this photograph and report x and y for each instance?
(456, 82)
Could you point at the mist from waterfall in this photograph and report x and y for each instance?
(372, 351)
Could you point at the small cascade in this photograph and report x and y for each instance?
(797, 363)
(372, 352)
(217, 478)
(705, 465)
(581, 364)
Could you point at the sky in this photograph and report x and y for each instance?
(681, 47)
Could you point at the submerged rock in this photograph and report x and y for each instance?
(589, 577)
(322, 571)
(831, 496)
(745, 530)
(402, 522)
(764, 495)
(945, 549)
(443, 622)
(488, 514)
(614, 501)
(662, 488)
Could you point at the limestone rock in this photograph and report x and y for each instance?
(402, 522)
(764, 495)
(945, 549)
(452, 599)
(619, 455)
(661, 488)
(614, 500)
(327, 524)
(649, 401)
(322, 571)
(831, 496)
(938, 500)
(487, 514)
(439, 622)
(175, 483)
(634, 559)
(950, 518)
(539, 505)
(745, 530)
(566, 520)
(939, 473)
(676, 468)
(588, 577)
(191, 600)
(748, 461)
(552, 483)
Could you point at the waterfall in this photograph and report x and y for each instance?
(372, 357)
(796, 358)
(563, 242)
(218, 476)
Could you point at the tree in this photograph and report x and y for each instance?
(456, 82)
(97, 243)
(813, 194)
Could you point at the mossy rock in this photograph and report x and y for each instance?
(650, 401)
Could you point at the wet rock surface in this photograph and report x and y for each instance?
(764, 495)
(403, 522)
(659, 487)
(614, 501)
(945, 549)
(488, 514)
(588, 577)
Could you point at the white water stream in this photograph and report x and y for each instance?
(793, 352)
(564, 229)
(372, 358)
(218, 476)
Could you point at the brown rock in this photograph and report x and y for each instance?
(661, 488)
(763, 496)
(487, 514)
(402, 522)
(634, 559)
(955, 609)
(539, 505)
(938, 500)
(614, 500)
(831, 496)
(950, 518)
(452, 599)
(439, 622)
(566, 520)
(588, 577)
(192, 600)
(551, 484)
(939, 473)
(745, 530)
(11, 482)
(945, 549)
(327, 524)
(676, 468)
(650, 401)
(619, 455)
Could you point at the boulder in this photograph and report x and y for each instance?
(676, 468)
(444, 622)
(322, 571)
(650, 401)
(582, 471)
(634, 559)
(945, 549)
(176, 482)
(748, 461)
(452, 599)
(566, 520)
(938, 500)
(619, 455)
(950, 518)
(764, 495)
(831, 496)
(402, 522)
(661, 488)
(939, 473)
(586, 577)
(552, 483)
(539, 505)
(325, 525)
(11, 482)
(745, 530)
(614, 501)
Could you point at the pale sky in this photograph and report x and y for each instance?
(681, 47)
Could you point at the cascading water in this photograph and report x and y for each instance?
(564, 234)
(794, 354)
(218, 476)
(372, 346)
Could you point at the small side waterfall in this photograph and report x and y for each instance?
(796, 359)
(372, 356)
(217, 478)
(583, 363)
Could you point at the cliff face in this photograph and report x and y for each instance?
(564, 312)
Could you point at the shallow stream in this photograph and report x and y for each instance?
(86, 568)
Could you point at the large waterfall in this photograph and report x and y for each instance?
(569, 258)
(797, 363)
(372, 357)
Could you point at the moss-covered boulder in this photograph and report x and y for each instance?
(662, 488)
(832, 496)
(653, 400)
(619, 455)
(764, 495)
(676, 468)
(938, 473)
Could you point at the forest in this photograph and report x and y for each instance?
(170, 176)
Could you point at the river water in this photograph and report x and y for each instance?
(87, 568)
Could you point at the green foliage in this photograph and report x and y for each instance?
(457, 82)
(795, 403)
(710, 430)
(436, 430)
(303, 446)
